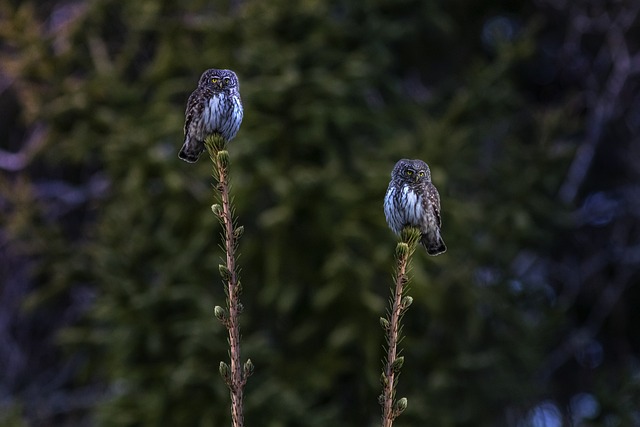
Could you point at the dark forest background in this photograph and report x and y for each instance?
(528, 113)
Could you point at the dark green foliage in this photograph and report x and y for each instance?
(113, 243)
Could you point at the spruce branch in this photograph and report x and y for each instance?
(398, 305)
(234, 374)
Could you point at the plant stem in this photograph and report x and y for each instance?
(399, 304)
(237, 378)
(389, 384)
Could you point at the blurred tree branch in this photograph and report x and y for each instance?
(613, 59)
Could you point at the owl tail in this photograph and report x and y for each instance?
(191, 150)
(434, 246)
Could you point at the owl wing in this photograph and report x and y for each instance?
(433, 196)
(194, 109)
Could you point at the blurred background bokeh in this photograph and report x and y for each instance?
(528, 113)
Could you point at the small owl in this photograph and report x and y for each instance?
(412, 200)
(214, 107)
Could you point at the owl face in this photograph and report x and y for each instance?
(219, 80)
(411, 171)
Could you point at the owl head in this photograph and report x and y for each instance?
(219, 79)
(411, 171)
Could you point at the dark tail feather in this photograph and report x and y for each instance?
(433, 246)
(190, 151)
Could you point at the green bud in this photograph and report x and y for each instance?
(248, 368)
(397, 364)
(401, 405)
(219, 142)
(411, 236)
(402, 250)
(220, 313)
(215, 142)
(224, 272)
(238, 232)
(223, 158)
(383, 379)
(225, 372)
(406, 302)
(217, 210)
(384, 323)
(381, 399)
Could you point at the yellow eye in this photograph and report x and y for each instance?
(409, 172)
(215, 80)
(421, 173)
(226, 80)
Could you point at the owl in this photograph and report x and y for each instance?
(214, 107)
(412, 200)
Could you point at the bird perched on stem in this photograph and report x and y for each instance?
(213, 107)
(413, 201)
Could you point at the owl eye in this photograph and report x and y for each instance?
(226, 80)
(421, 173)
(215, 80)
(409, 172)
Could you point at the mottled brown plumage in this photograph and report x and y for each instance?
(214, 107)
(413, 200)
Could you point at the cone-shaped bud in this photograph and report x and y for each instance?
(220, 313)
(381, 399)
(384, 323)
(397, 364)
(225, 372)
(240, 308)
(216, 209)
(383, 379)
(224, 272)
(223, 158)
(248, 368)
(238, 232)
(406, 302)
(411, 236)
(401, 405)
(215, 142)
(402, 250)
(219, 142)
